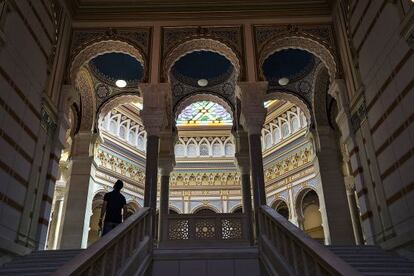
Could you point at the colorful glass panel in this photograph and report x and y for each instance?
(204, 113)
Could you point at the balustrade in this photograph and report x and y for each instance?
(287, 250)
(126, 250)
(206, 229)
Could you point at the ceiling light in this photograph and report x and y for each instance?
(120, 83)
(283, 81)
(202, 82)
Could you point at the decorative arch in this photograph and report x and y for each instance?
(302, 42)
(182, 104)
(102, 47)
(84, 85)
(320, 94)
(236, 207)
(207, 207)
(296, 100)
(201, 44)
(174, 209)
(115, 101)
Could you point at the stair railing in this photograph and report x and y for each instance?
(287, 250)
(126, 250)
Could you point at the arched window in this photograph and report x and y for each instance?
(191, 150)
(276, 135)
(204, 150)
(229, 149)
(304, 120)
(268, 140)
(122, 131)
(141, 142)
(285, 130)
(217, 149)
(112, 126)
(179, 150)
(295, 123)
(132, 137)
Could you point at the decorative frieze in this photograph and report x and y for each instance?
(120, 166)
(288, 164)
(194, 179)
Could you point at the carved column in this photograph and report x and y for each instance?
(243, 162)
(79, 198)
(166, 164)
(252, 118)
(153, 117)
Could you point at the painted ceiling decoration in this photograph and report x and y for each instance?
(292, 64)
(111, 67)
(204, 113)
(210, 67)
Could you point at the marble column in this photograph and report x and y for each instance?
(252, 118)
(79, 198)
(166, 165)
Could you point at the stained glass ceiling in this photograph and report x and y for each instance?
(204, 113)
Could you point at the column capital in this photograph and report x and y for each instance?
(166, 164)
(83, 144)
(154, 112)
(253, 112)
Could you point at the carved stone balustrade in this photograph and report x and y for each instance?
(205, 230)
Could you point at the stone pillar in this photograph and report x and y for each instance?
(338, 91)
(243, 162)
(154, 119)
(252, 118)
(79, 198)
(334, 192)
(166, 164)
(353, 208)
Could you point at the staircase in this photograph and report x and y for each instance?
(243, 261)
(372, 260)
(39, 263)
(283, 249)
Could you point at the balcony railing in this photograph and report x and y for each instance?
(287, 250)
(205, 230)
(126, 250)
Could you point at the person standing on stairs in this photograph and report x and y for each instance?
(114, 208)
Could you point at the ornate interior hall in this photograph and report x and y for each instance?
(267, 137)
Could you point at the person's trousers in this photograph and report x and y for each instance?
(108, 226)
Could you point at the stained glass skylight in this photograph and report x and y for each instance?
(204, 113)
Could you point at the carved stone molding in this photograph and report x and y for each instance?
(84, 85)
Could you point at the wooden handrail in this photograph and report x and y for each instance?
(287, 250)
(126, 245)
